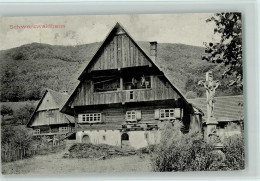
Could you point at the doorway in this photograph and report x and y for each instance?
(85, 139)
(125, 140)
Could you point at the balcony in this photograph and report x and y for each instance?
(122, 96)
(54, 131)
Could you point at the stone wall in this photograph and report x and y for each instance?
(137, 139)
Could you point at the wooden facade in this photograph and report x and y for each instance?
(119, 52)
(47, 118)
(159, 90)
(119, 82)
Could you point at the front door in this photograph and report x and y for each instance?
(125, 140)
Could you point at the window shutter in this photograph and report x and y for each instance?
(177, 112)
(138, 115)
(102, 117)
(80, 118)
(157, 113)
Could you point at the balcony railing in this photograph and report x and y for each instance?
(54, 131)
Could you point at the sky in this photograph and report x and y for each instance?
(190, 29)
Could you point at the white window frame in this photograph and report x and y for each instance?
(63, 129)
(131, 115)
(167, 113)
(37, 131)
(90, 118)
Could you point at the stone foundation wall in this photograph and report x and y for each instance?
(137, 139)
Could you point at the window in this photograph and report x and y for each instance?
(106, 84)
(63, 129)
(90, 118)
(146, 135)
(131, 95)
(131, 115)
(167, 114)
(37, 131)
(137, 82)
(104, 137)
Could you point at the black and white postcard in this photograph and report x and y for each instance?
(121, 93)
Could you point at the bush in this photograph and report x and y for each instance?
(184, 152)
(16, 137)
(191, 95)
(234, 149)
(23, 114)
(6, 110)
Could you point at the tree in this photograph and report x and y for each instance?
(229, 50)
(23, 114)
(16, 136)
(6, 110)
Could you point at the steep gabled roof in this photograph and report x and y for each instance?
(111, 33)
(227, 108)
(59, 98)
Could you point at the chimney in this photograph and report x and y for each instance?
(153, 50)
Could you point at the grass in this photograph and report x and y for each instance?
(55, 164)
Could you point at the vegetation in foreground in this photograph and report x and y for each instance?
(189, 152)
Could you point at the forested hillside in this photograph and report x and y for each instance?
(27, 70)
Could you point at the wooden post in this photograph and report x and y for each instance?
(76, 121)
(21, 151)
(121, 83)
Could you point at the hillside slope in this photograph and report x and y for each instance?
(27, 70)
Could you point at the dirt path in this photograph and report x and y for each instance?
(55, 164)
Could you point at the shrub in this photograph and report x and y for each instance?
(183, 152)
(6, 110)
(16, 137)
(191, 95)
(234, 149)
(22, 115)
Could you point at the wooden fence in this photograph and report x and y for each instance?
(11, 155)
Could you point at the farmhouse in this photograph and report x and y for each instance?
(47, 120)
(123, 97)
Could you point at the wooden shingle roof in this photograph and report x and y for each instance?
(227, 108)
(58, 97)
